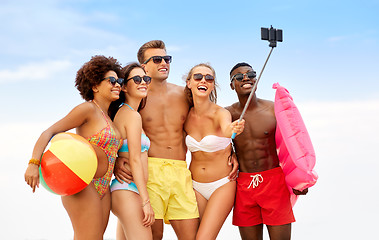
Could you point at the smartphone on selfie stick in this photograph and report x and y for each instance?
(272, 35)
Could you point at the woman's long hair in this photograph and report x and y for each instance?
(115, 105)
(188, 92)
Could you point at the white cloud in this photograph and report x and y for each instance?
(53, 28)
(336, 38)
(35, 71)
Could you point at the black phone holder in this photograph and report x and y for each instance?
(273, 35)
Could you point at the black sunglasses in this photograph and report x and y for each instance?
(138, 79)
(198, 76)
(240, 76)
(158, 59)
(113, 80)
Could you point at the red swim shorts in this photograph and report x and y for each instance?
(262, 197)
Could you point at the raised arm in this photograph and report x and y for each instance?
(227, 126)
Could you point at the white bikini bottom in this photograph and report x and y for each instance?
(207, 189)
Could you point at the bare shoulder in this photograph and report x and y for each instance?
(232, 107)
(175, 89)
(86, 105)
(266, 104)
(85, 112)
(221, 113)
(126, 119)
(125, 115)
(177, 95)
(221, 110)
(234, 110)
(173, 86)
(85, 108)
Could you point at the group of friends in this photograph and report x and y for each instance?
(141, 126)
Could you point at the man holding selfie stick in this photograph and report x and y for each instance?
(262, 195)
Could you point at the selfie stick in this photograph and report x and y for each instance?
(272, 35)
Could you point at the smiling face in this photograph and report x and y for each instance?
(158, 71)
(106, 89)
(136, 90)
(201, 87)
(244, 86)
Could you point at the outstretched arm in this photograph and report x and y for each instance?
(227, 126)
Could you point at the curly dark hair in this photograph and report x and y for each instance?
(92, 73)
(115, 105)
(187, 91)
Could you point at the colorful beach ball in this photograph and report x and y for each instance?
(69, 164)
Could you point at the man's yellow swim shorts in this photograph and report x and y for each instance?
(170, 190)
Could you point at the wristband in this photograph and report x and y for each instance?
(34, 161)
(147, 201)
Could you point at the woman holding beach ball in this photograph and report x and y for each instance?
(99, 84)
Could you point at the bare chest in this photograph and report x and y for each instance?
(162, 111)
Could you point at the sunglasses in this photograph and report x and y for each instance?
(138, 79)
(113, 80)
(198, 76)
(158, 59)
(240, 76)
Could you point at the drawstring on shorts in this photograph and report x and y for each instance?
(256, 180)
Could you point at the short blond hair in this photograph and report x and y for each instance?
(151, 44)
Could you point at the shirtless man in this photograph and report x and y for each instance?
(170, 184)
(262, 196)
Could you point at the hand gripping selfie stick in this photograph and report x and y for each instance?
(272, 35)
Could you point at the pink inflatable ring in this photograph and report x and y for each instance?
(295, 150)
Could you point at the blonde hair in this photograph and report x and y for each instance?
(188, 92)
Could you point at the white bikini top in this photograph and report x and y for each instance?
(210, 143)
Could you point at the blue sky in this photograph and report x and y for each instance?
(328, 61)
(330, 48)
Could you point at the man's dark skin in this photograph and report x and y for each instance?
(255, 146)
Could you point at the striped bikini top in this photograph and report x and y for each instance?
(145, 141)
